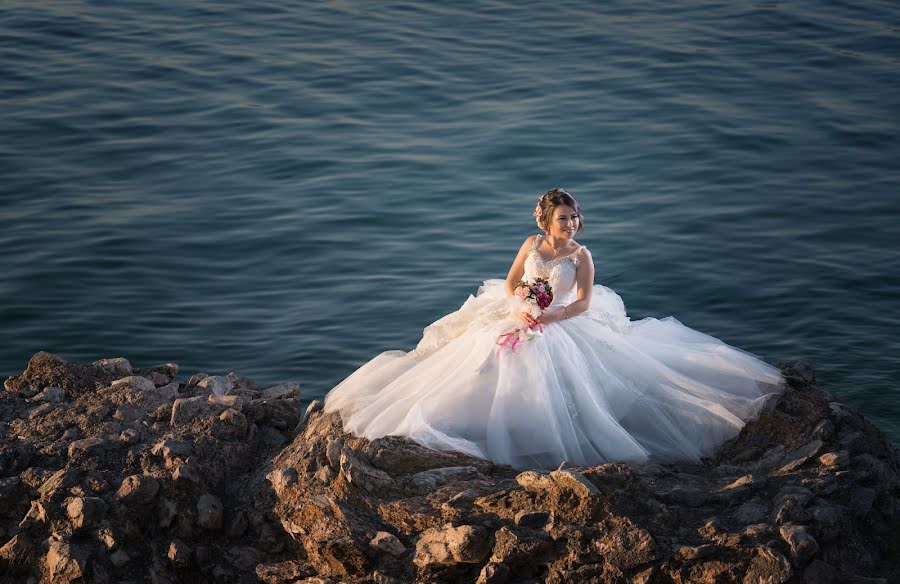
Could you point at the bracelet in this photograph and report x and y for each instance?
(567, 311)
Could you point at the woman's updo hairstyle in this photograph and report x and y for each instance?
(556, 196)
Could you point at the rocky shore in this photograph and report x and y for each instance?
(111, 473)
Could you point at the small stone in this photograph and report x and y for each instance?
(519, 545)
(282, 390)
(768, 566)
(138, 489)
(179, 553)
(281, 479)
(119, 558)
(85, 512)
(36, 514)
(449, 545)
(689, 552)
(51, 394)
(313, 407)
(135, 382)
(333, 452)
(359, 473)
(186, 473)
(85, 448)
(493, 573)
(325, 475)
(187, 408)
(118, 366)
(65, 562)
(195, 379)
(209, 512)
(840, 459)
(532, 480)
(799, 456)
(216, 384)
(460, 499)
(233, 424)
(129, 436)
(388, 542)
(803, 545)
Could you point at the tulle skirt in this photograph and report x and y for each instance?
(594, 388)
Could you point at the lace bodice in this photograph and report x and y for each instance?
(560, 272)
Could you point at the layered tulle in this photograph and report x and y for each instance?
(594, 388)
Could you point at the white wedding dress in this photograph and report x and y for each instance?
(593, 388)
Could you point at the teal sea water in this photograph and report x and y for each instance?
(287, 189)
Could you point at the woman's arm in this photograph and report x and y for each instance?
(584, 277)
(517, 270)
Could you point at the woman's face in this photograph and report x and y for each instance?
(563, 222)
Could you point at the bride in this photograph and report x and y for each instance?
(578, 381)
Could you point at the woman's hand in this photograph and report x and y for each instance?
(528, 319)
(552, 314)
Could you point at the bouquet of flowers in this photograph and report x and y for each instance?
(532, 298)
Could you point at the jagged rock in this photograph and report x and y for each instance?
(85, 512)
(516, 545)
(233, 424)
(803, 545)
(389, 543)
(216, 384)
(282, 390)
(173, 452)
(118, 366)
(768, 566)
(321, 501)
(187, 408)
(50, 394)
(801, 455)
(179, 553)
(282, 478)
(468, 544)
(138, 489)
(86, 448)
(66, 562)
(36, 514)
(186, 473)
(493, 573)
(133, 382)
(839, 459)
(160, 374)
(209, 512)
(16, 549)
(358, 473)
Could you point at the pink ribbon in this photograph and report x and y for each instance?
(512, 338)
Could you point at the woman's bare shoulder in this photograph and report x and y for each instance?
(528, 243)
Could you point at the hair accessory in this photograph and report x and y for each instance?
(537, 213)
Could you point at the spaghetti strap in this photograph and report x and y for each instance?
(536, 242)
